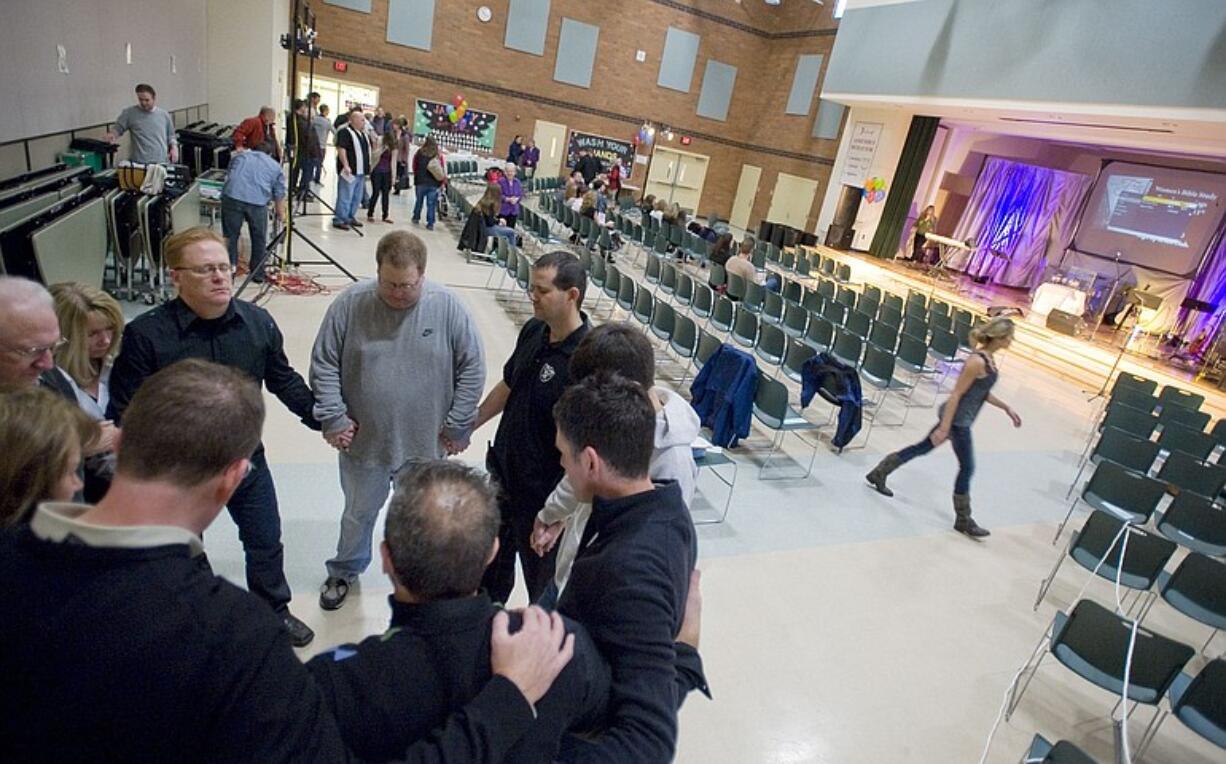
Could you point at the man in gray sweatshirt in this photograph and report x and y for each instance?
(397, 372)
(153, 130)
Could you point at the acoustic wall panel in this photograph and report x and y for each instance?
(410, 23)
(576, 53)
(677, 62)
(717, 82)
(353, 5)
(527, 24)
(804, 84)
(829, 118)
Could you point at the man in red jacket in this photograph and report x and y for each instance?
(253, 131)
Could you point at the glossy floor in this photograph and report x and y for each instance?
(839, 626)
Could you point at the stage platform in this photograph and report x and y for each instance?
(1083, 362)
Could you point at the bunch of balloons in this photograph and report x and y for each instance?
(457, 112)
(646, 135)
(874, 190)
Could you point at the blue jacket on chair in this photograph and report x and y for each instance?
(838, 384)
(723, 392)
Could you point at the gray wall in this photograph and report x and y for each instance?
(1138, 52)
(38, 99)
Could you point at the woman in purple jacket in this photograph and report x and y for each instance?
(512, 192)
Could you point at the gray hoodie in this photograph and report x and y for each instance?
(677, 428)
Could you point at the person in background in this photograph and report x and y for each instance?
(722, 250)
(486, 209)
(383, 176)
(400, 129)
(153, 129)
(254, 131)
(957, 415)
(516, 150)
(512, 194)
(428, 176)
(205, 321)
(379, 122)
(253, 181)
(374, 336)
(588, 165)
(305, 153)
(352, 163)
(658, 211)
(646, 205)
(92, 323)
(615, 179)
(323, 128)
(575, 187)
(44, 437)
(530, 159)
(924, 224)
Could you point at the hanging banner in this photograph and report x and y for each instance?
(861, 148)
(473, 131)
(607, 150)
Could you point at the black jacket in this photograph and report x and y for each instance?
(245, 337)
(589, 167)
(475, 233)
(837, 384)
(628, 586)
(394, 688)
(140, 654)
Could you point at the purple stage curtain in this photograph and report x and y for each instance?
(1023, 212)
(1210, 287)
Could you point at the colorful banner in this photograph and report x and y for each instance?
(475, 132)
(607, 150)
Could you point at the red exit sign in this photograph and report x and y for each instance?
(685, 140)
(340, 66)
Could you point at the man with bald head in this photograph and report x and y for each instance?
(253, 131)
(29, 336)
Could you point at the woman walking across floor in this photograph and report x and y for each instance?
(384, 175)
(957, 414)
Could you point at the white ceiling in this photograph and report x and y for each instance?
(1183, 131)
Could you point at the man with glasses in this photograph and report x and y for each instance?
(29, 337)
(204, 321)
(397, 372)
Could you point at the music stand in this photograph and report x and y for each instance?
(1140, 300)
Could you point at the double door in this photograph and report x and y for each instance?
(677, 177)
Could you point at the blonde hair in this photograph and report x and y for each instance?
(995, 331)
(172, 248)
(38, 429)
(74, 303)
(589, 201)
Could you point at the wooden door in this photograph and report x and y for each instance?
(746, 192)
(792, 200)
(550, 138)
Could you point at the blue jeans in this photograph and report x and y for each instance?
(505, 232)
(253, 507)
(960, 439)
(366, 488)
(429, 195)
(348, 197)
(772, 282)
(233, 214)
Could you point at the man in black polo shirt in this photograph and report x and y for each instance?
(392, 689)
(204, 321)
(523, 459)
(120, 646)
(632, 575)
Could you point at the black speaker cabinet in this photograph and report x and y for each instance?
(839, 236)
(808, 239)
(1066, 323)
(790, 236)
(765, 229)
(848, 207)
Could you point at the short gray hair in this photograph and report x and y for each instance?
(441, 524)
(19, 292)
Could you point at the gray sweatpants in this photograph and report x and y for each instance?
(366, 488)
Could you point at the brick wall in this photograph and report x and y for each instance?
(520, 88)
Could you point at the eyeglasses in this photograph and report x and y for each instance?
(35, 352)
(410, 286)
(208, 270)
